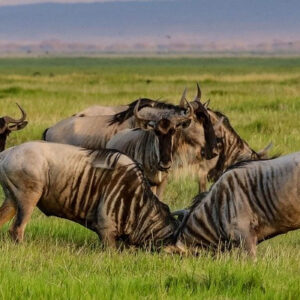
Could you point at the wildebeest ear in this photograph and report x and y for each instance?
(17, 126)
(218, 126)
(264, 152)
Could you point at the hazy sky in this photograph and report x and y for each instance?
(20, 2)
(188, 21)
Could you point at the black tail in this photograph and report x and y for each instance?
(44, 134)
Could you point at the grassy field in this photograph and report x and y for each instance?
(261, 97)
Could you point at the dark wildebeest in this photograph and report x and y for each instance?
(103, 190)
(8, 124)
(230, 149)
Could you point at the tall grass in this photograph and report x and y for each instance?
(60, 259)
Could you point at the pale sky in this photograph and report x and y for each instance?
(20, 2)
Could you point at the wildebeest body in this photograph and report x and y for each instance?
(102, 190)
(248, 204)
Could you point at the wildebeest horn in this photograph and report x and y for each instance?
(136, 111)
(191, 109)
(183, 98)
(198, 96)
(150, 123)
(206, 104)
(263, 153)
(11, 120)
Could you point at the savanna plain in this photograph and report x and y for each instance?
(60, 259)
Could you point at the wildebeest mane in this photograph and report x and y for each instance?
(228, 125)
(144, 102)
(209, 133)
(102, 154)
(196, 201)
(247, 162)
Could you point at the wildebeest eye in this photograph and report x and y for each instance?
(172, 131)
(202, 152)
(184, 124)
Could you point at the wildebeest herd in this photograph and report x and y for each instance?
(106, 168)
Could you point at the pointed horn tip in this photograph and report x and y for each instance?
(191, 109)
(12, 120)
(22, 110)
(183, 97)
(198, 97)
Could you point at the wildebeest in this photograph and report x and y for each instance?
(153, 144)
(9, 124)
(230, 149)
(93, 132)
(103, 190)
(251, 202)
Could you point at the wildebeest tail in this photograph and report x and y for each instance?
(44, 134)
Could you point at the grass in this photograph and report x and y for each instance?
(59, 259)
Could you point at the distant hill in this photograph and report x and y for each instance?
(185, 25)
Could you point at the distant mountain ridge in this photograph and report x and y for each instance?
(189, 25)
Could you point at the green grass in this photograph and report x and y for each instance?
(59, 259)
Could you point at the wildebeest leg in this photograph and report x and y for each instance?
(7, 211)
(106, 230)
(25, 207)
(108, 238)
(178, 248)
(250, 245)
(248, 242)
(202, 181)
(161, 187)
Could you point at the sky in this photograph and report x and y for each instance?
(22, 2)
(176, 21)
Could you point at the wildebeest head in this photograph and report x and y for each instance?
(231, 147)
(164, 125)
(8, 124)
(201, 133)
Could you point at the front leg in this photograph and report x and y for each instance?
(202, 181)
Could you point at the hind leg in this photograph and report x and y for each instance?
(7, 211)
(24, 212)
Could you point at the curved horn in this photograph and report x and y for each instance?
(136, 110)
(191, 109)
(198, 96)
(181, 103)
(11, 120)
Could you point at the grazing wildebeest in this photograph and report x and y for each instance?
(153, 144)
(230, 149)
(251, 202)
(8, 124)
(102, 190)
